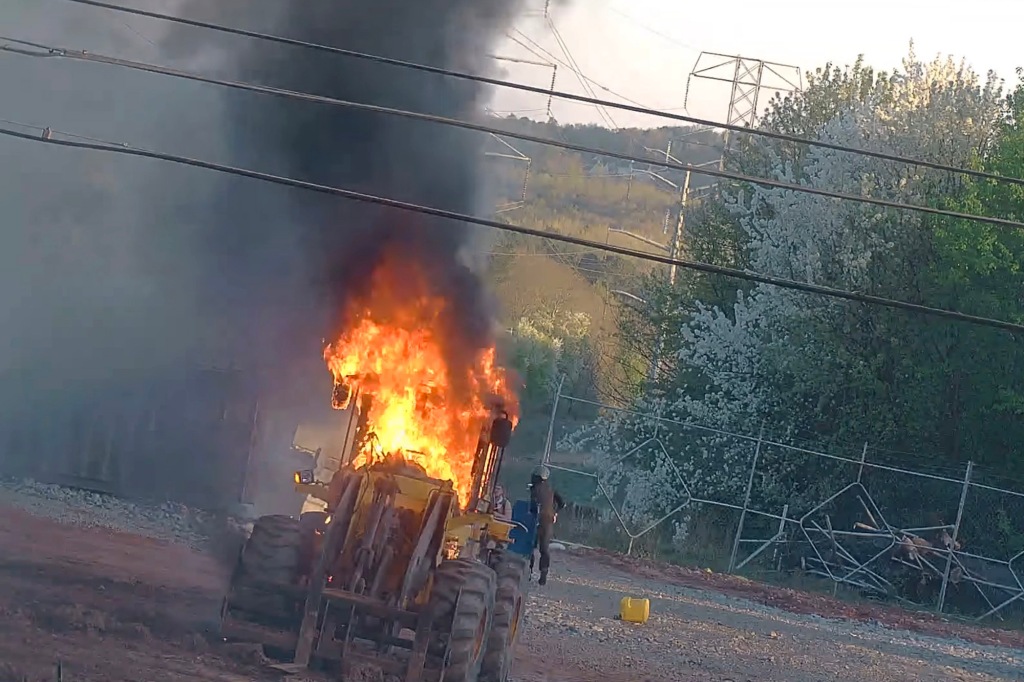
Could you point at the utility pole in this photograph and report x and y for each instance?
(684, 197)
(674, 248)
(748, 79)
(510, 152)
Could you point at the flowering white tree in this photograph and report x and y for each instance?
(939, 111)
(789, 359)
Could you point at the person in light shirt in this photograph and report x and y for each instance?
(502, 505)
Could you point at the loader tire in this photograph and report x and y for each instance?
(462, 602)
(271, 556)
(511, 570)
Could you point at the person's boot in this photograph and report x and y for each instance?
(543, 577)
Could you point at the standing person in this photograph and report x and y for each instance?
(545, 503)
(502, 505)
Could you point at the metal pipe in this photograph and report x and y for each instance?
(746, 502)
(773, 540)
(863, 458)
(956, 532)
(551, 425)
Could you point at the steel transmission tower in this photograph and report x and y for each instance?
(749, 78)
(509, 151)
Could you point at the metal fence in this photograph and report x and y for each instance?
(864, 529)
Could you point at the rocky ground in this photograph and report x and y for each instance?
(118, 592)
(85, 509)
(698, 634)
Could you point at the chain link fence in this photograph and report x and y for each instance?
(944, 538)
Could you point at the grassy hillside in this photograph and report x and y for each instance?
(588, 196)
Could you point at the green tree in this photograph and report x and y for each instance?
(835, 372)
(550, 343)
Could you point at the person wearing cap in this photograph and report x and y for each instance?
(545, 503)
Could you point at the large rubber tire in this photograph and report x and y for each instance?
(512, 571)
(469, 616)
(271, 556)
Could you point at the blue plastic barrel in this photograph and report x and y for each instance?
(526, 529)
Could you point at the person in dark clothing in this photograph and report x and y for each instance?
(545, 503)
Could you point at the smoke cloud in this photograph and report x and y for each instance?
(97, 252)
(325, 248)
(116, 271)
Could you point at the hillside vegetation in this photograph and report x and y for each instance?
(543, 284)
(825, 373)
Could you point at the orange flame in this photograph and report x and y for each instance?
(423, 409)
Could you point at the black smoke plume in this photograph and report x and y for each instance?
(120, 274)
(324, 249)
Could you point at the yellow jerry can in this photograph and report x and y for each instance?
(634, 610)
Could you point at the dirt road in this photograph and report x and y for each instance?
(114, 606)
(108, 606)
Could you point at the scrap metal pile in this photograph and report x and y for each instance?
(919, 565)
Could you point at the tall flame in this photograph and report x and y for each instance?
(424, 408)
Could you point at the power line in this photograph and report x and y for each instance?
(519, 254)
(664, 36)
(574, 65)
(585, 81)
(545, 54)
(47, 137)
(50, 52)
(559, 94)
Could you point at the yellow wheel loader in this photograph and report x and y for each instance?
(395, 573)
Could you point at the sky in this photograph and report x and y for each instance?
(644, 50)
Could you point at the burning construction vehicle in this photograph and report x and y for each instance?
(265, 266)
(406, 566)
(423, 400)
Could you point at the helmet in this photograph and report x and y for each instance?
(542, 472)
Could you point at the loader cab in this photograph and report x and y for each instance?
(494, 438)
(321, 446)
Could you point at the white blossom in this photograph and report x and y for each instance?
(939, 111)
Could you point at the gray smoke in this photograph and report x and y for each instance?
(115, 272)
(99, 275)
(97, 266)
(303, 260)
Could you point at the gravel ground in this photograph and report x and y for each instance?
(129, 591)
(170, 522)
(700, 635)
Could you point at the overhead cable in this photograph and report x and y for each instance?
(46, 51)
(593, 101)
(47, 137)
